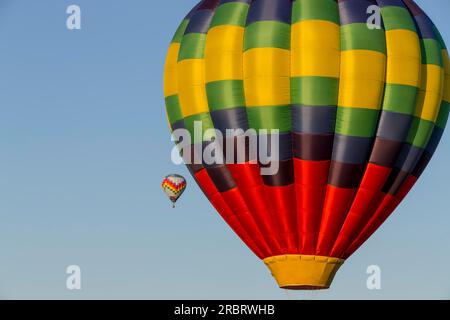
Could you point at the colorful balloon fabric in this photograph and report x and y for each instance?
(174, 186)
(360, 108)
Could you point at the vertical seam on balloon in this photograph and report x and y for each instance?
(308, 242)
(414, 135)
(263, 235)
(276, 229)
(405, 185)
(359, 232)
(297, 236)
(355, 50)
(321, 225)
(260, 234)
(257, 245)
(356, 218)
(273, 246)
(273, 215)
(294, 228)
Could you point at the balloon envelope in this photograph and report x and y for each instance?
(360, 102)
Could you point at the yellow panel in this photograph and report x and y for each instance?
(432, 78)
(266, 62)
(403, 71)
(267, 91)
(191, 72)
(223, 53)
(315, 34)
(431, 92)
(365, 94)
(225, 65)
(315, 62)
(362, 79)
(363, 64)
(267, 77)
(315, 49)
(403, 57)
(170, 70)
(225, 37)
(428, 105)
(403, 43)
(191, 87)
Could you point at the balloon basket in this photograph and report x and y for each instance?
(303, 272)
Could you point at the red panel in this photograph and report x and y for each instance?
(386, 208)
(388, 204)
(205, 183)
(236, 202)
(240, 230)
(281, 203)
(366, 202)
(337, 204)
(310, 187)
(311, 173)
(248, 179)
(222, 206)
(375, 176)
(246, 174)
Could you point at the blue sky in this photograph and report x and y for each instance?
(83, 147)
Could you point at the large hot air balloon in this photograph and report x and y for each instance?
(360, 110)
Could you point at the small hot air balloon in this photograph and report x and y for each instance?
(360, 110)
(174, 186)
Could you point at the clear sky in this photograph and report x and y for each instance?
(83, 147)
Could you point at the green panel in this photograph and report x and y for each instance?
(278, 117)
(206, 122)
(192, 46)
(267, 34)
(180, 31)
(356, 36)
(400, 98)
(232, 13)
(315, 10)
(420, 132)
(357, 122)
(173, 108)
(225, 94)
(395, 17)
(431, 52)
(314, 91)
(442, 119)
